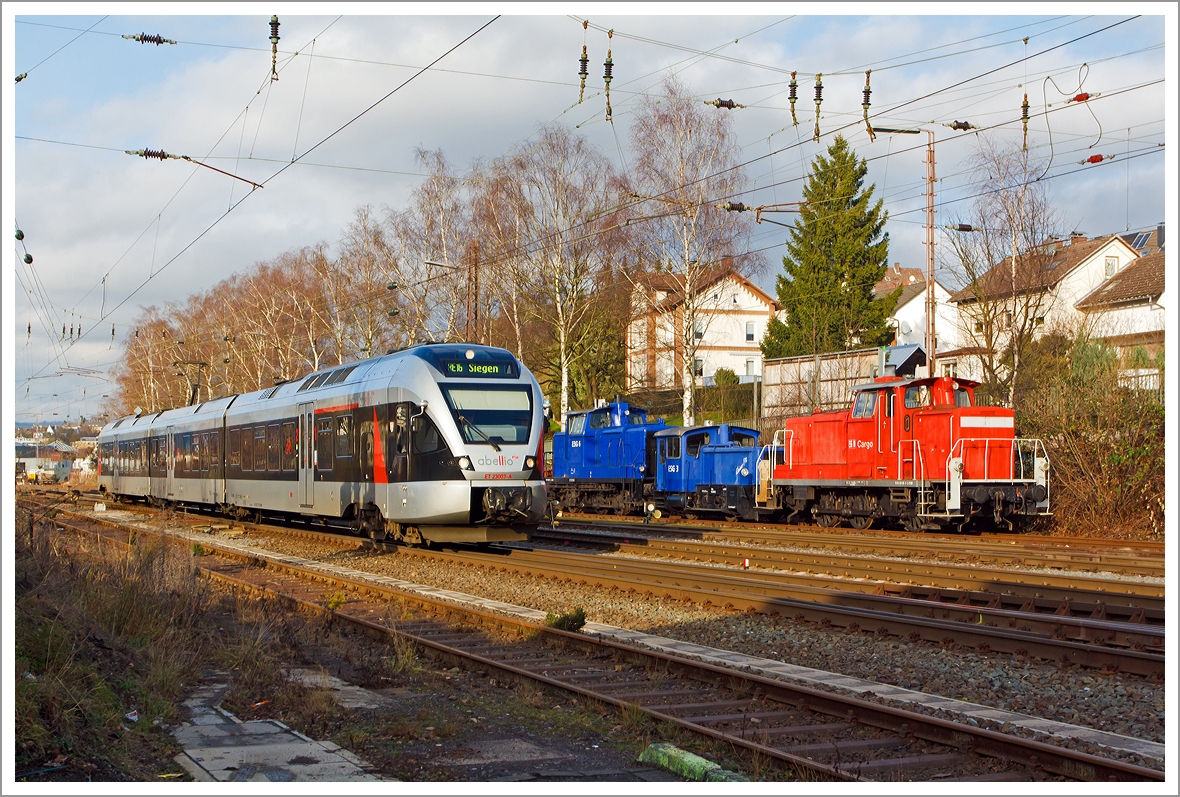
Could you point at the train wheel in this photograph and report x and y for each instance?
(860, 522)
(827, 521)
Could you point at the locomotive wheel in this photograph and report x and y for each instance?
(827, 521)
(860, 522)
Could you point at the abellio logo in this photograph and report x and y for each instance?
(501, 461)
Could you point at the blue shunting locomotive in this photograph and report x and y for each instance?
(611, 459)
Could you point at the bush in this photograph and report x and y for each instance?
(570, 621)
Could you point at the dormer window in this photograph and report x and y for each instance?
(1112, 266)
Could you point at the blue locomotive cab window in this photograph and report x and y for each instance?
(866, 404)
(599, 420)
(491, 416)
(693, 443)
(577, 424)
(673, 448)
(743, 439)
(637, 418)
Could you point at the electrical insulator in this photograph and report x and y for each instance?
(1096, 159)
(865, 105)
(21, 76)
(584, 71)
(720, 103)
(274, 46)
(1085, 95)
(794, 95)
(960, 227)
(71, 331)
(20, 235)
(63, 331)
(819, 97)
(28, 259)
(30, 330)
(607, 66)
(962, 126)
(157, 154)
(735, 207)
(1024, 119)
(144, 38)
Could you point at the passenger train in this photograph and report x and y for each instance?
(913, 452)
(433, 443)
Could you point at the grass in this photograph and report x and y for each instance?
(567, 621)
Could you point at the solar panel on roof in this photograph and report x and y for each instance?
(1140, 240)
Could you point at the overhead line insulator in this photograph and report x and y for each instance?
(607, 66)
(274, 46)
(865, 105)
(146, 38)
(794, 95)
(819, 98)
(720, 103)
(1096, 159)
(1024, 120)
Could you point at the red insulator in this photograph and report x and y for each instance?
(1081, 97)
(1094, 159)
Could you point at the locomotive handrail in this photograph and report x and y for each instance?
(787, 449)
(1019, 445)
(919, 463)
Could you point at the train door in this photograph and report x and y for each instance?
(887, 435)
(170, 464)
(397, 448)
(671, 464)
(306, 458)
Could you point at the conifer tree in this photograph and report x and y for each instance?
(836, 252)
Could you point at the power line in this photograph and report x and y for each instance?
(25, 74)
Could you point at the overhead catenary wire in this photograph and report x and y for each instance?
(25, 74)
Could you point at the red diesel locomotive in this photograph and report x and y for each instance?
(914, 451)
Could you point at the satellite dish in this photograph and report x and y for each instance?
(906, 328)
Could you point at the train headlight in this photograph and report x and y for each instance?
(642, 468)
(650, 508)
(745, 471)
(529, 463)
(464, 463)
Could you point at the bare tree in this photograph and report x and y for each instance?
(563, 192)
(1005, 262)
(686, 163)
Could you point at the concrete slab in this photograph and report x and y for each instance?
(346, 694)
(220, 747)
(496, 751)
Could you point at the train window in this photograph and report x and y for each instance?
(673, 448)
(247, 449)
(366, 439)
(215, 454)
(693, 443)
(188, 453)
(196, 463)
(962, 397)
(205, 452)
(917, 396)
(577, 424)
(344, 436)
(427, 440)
(599, 420)
(491, 416)
(259, 448)
(324, 443)
(273, 446)
(235, 448)
(636, 418)
(743, 439)
(339, 375)
(306, 383)
(289, 445)
(890, 401)
(866, 404)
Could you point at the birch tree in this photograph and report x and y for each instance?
(686, 163)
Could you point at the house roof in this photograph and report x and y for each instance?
(1141, 281)
(1035, 271)
(910, 291)
(897, 277)
(1146, 242)
(673, 285)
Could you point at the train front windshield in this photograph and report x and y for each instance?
(492, 416)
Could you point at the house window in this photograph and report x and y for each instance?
(735, 298)
(1112, 266)
(749, 331)
(750, 368)
(1040, 321)
(698, 367)
(979, 326)
(950, 368)
(698, 329)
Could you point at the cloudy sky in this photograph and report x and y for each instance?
(111, 233)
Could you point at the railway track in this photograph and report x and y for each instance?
(821, 733)
(1067, 626)
(1138, 558)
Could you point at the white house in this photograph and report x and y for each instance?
(1127, 311)
(731, 319)
(1050, 283)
